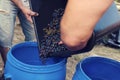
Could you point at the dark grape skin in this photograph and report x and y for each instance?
(52, 36)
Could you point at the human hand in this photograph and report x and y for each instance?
(29, 13)
(73, 47)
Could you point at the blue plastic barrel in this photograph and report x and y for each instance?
(23, 63)
(97, 68)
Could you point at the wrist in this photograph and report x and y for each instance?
(22, 8)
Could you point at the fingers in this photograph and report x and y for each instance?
(29, 16)
(34, 13)
(60, 43)
(30, 19)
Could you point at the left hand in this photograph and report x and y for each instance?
(29, 13)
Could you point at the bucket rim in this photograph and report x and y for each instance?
(33, 68)
(101, 59)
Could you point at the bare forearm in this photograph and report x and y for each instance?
(79, 20)
(18, 3)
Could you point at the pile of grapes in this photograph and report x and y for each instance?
(52, 35)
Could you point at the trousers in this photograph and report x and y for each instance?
(8, 13)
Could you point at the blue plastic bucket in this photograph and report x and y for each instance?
(97, 68)
(23, 63)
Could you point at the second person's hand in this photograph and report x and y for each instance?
(29, 13)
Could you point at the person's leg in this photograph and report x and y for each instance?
(6, 27)
(27, 27)
(4, 51)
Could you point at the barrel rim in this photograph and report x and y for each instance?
(101, 59)
(33, 68)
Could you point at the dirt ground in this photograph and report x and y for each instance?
(99, 50)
